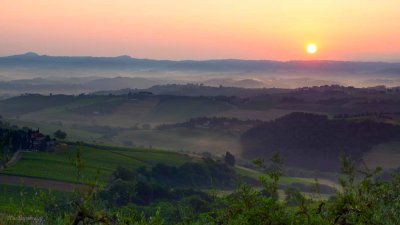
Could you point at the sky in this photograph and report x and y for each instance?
(367, 30)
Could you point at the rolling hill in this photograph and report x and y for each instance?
(315, 142)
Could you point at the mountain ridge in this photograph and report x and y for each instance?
(125, 57)
(34, 65)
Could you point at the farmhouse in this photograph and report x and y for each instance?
(40, 142)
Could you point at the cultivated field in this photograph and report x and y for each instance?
(97, 162)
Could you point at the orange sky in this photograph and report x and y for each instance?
(203, 29)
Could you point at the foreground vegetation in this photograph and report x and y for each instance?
(365, 198)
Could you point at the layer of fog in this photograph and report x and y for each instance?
(15, 82)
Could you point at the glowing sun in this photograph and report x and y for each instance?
(311, 48)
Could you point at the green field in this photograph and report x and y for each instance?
(101, 161)
(97, 162)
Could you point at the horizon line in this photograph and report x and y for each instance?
(32, 53)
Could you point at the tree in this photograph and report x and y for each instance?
(60, 134)
(229, 159)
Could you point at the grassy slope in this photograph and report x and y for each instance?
(60, 165)
(101, 161)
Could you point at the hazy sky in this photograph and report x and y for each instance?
(202, 29)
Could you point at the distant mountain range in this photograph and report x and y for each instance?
(34, 61)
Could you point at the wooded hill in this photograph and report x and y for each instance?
(314, 141)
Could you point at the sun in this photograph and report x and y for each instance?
(311, 48)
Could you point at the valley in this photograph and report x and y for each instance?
(110, 133)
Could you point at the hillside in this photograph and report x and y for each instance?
(117, 111)
(131, 119)
(314, 141)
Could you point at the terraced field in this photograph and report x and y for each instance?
(97, 162)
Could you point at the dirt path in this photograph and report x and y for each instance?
(39, 183)
(14, 159)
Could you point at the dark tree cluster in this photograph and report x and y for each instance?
(174, 189)
(205, 174)
(314, 141)
(143, 193)
(13, 139)
(229, 159)
(60, 134)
